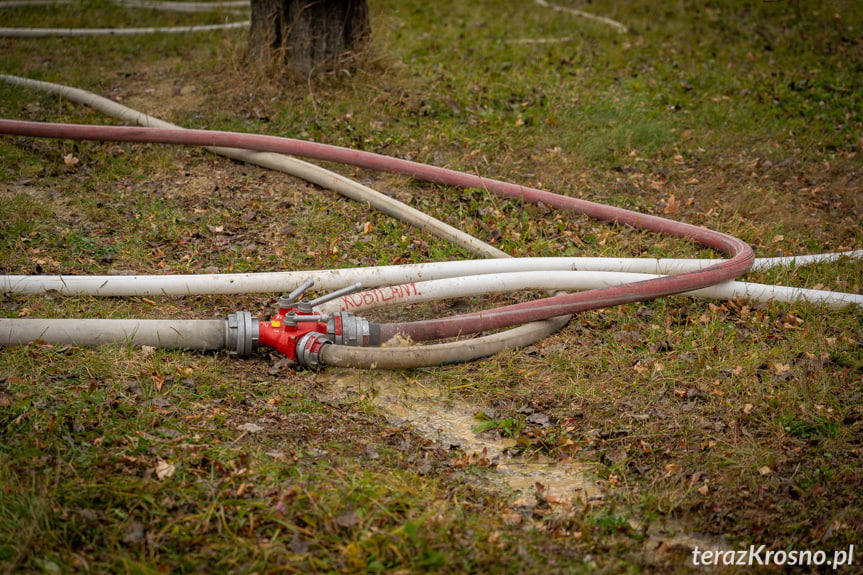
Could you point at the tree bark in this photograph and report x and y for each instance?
(307, 34)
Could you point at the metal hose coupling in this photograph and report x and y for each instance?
(244, 334)
(309, 347)
(344, 328)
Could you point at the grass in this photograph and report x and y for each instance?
(729, 421)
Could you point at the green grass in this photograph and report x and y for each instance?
(734, 421)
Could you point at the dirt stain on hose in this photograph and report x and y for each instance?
(449, 422)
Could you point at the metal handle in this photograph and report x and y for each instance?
(287, 300)
(336, 294)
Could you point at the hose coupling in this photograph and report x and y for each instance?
(298, 331)
(309, 347)
(344, 328)
(244, 334)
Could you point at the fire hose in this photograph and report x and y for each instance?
(314, 333)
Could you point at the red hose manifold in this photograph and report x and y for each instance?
(298, 332)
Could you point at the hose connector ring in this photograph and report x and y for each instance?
(309, 347)
(244, 334)
(344, 328)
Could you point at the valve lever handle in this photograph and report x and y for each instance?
(292, 297)
(336, 294)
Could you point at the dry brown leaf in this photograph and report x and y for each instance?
(511, 518)
(164, 469)
(780, 368)
(672, 205)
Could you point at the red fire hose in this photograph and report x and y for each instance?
(741, 254)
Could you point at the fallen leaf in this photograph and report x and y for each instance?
(511, 518)
(765, 470)
(164, 469)
(537, 419)
(70, 160)
(250, 427)
(347, 518)
(703, 489)
(780, 368)
(671, 206)
(158, 380)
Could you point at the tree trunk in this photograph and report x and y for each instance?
(307, 34)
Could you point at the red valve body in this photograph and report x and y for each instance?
(283, 332)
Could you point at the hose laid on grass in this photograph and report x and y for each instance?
(605, 20)
(152, 4)
(507, 190)
(741, 260)
(483, 312)
(184, 6)
(168, 6)
(65, 32)
(199, 334)
(441, 353)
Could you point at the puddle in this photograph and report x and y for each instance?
(448, 422)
